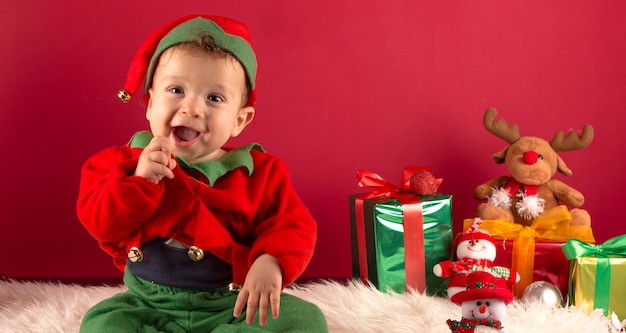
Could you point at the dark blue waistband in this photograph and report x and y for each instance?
(171, 266)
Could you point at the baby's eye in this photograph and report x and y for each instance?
(176, 90)
(215, 98)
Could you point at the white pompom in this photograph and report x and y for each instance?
(500, 198)
(530, 206)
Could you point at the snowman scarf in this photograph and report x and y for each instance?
(467, 265)
(469, 326)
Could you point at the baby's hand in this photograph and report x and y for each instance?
(155, 161)
(261, 290)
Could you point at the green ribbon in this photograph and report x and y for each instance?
(615, 246)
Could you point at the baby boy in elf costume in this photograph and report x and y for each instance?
(207, 236)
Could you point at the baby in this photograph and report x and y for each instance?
(207, 235)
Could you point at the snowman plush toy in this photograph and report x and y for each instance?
(483, 304)
(475, 251)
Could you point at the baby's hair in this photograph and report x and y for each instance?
(206, 43)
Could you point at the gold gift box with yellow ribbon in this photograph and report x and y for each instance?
(535, 251)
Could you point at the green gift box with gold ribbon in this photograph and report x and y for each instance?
(398, 236)
(597, 275)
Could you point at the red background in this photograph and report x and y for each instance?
(343, 85)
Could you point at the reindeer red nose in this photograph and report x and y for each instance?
(530, 157)
(482, 308)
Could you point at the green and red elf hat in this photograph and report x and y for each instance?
(229, 34)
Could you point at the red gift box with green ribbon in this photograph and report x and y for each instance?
(398, 236)
(597, 275)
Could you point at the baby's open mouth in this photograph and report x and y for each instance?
(184, 134)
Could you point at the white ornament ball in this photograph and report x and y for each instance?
(543, 292)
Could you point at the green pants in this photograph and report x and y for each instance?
(149, 308)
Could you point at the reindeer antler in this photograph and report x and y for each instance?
(571, 141)
(500, 128)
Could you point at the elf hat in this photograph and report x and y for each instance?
(473, 233)
(483, 285)
(231, 35)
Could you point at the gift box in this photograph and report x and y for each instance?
(597, 275)
(397, 236)
(535, 251)
(549, 265)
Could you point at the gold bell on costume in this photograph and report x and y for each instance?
(195, 253)
(135, 254)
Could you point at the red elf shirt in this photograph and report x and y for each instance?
(237, 208)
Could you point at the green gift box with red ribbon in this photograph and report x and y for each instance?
(597, 275)
(398, 236)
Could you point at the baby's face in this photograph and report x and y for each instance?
(196, 101)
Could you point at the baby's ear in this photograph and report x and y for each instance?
(244, 117)
(149, 106)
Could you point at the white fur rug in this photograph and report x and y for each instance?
(27, 307)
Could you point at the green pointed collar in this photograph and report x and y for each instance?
(213, 170)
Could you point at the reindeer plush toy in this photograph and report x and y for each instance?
(532, 162)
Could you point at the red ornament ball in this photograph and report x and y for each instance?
(423, 183)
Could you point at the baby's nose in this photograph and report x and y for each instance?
(192, 108)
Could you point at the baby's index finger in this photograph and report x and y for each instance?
(161, 143)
